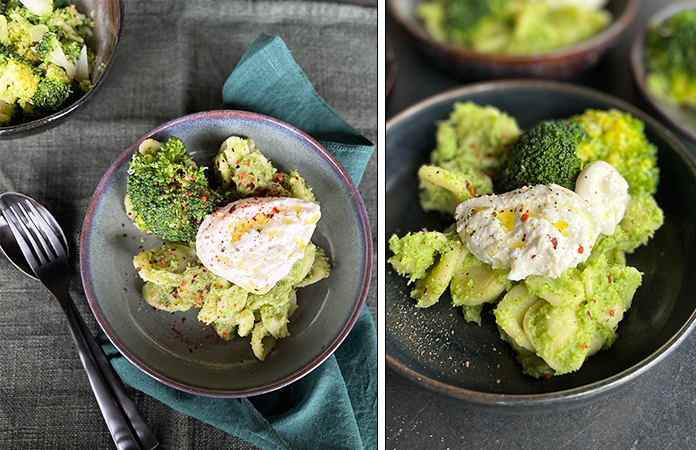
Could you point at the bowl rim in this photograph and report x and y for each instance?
(537, 403)
(50, 120)
(327, 350)
(638, 68)
(597, 41)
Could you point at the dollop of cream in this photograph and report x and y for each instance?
(536, 230)
(254, 242)
(607, 191)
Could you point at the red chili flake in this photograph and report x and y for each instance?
(611, 313)
(609, 278)
(473, 193)
(524, 217)
(163, 262)
(224, 334)
(183, 283)
(547, 376)
(204, 198)
(554, 241)
(581, 249)
(584, 345)
(533, 256)
(589, 314)
(242, 175)
(138, 269)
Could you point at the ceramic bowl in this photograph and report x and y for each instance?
(392, 64)
(561, 63)
(683, 119)
(108, 22)
(178, 350)
(437, 349)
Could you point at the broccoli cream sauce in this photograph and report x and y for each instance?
(537, 230)
(254, 242)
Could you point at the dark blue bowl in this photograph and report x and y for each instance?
(437, 349)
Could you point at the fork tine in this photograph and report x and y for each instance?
(35, 234)
(20, 237)
(41, 224)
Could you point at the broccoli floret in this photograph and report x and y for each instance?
(670, 58)
(457, 20)
(545, 154)
(18, 79)
(50, 50)
(52, 92)
(167, 193)
(619, 139)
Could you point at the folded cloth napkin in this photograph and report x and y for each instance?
(335, 406)
(266, 68)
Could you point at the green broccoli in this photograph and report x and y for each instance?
(457, 20)
(473, 136)
(44, 61)
(513, 27)
(670, 58)
(51, 93)
(469, 145)
(619, 139)
(18, 79)
(167, 193)
(51, 50)
(545, 154)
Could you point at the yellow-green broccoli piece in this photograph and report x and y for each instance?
(619, 138)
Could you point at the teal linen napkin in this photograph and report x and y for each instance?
(268, 81)
(335, 406)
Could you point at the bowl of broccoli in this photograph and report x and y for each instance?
(663, 61)
(513, 38)
(463, 327)
(54, 55)
(179, 322)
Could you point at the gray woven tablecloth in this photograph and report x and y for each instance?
(173, 60)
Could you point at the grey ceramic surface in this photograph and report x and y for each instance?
(108, 22)
(684, 119)
(432, 346)
(461, 61)
(177, 349)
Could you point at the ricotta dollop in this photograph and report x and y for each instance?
(254, 242)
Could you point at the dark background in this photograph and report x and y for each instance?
(656, 411)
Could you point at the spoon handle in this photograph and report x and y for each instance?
(118, 426)
(145, 436)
